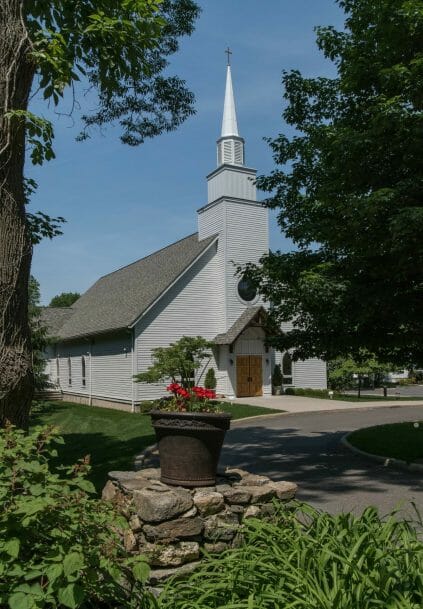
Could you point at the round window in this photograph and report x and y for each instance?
(246, 290)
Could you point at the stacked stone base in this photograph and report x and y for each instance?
(173, 526)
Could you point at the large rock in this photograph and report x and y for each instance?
(285, 490)
(174, 555)
(208, 502)
(261, 494)
(253, 480)
(173, 530)
(239, 495)
(152, 506)
(221, 527)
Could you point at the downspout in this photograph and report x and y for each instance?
(133, 369)
(90, 400)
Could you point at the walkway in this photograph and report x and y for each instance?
(306, 448)
(297, 404)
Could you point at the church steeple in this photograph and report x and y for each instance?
(230, 146)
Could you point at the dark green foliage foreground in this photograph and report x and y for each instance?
(332, 562)
(59, 546)
(399, 441)
(112, 438)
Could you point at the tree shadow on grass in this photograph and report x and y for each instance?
(107, 452)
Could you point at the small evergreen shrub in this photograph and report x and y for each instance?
(59, 545)
(305, 559)
(210, 380)
(277, 377)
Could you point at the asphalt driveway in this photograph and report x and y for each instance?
(306, 449)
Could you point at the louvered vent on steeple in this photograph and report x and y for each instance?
(230, 146)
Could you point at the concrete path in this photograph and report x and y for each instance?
(297, 404)
(306, 449)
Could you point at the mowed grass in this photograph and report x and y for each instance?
(374, 398)
(398, 441)
(112, 438)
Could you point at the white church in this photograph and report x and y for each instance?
(187, 288)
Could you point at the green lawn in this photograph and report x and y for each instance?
(111, 437)
(371, 398)
(399, 441)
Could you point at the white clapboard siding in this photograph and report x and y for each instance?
(74, 352)
(232, 182)
(247, 240)
(310, 373)
(192, 307)
(112, 367)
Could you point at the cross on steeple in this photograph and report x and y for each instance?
(228, 53)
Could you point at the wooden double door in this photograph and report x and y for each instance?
(249, 375)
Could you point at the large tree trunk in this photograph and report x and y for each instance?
(16, 75)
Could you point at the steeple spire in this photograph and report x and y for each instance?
(229, 124)
(230, 146)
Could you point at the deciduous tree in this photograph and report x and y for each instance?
(348, 188)
(65, 299)
(120, 49)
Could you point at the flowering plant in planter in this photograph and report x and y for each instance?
(193, 399)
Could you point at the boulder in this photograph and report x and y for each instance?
(208, 502)
(173, 530)
(157, 507)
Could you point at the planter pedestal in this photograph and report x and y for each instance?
(189, 446)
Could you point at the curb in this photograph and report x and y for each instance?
(387, 461)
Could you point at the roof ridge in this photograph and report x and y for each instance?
(148, 256)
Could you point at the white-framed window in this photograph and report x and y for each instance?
(287, 369)
(57, 371)
(69, 371)
(83, 374)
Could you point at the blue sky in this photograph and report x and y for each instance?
(123, 203)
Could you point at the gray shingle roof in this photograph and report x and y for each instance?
(116, 300)
(53, 318)
(227, 338)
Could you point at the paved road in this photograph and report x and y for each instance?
(306, 449)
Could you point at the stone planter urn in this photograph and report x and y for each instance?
(189, 445)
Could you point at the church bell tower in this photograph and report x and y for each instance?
(233, 212)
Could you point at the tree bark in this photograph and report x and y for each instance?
(16, 76)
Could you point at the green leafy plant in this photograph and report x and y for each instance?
(307, 392)
(210, 380)
(59, 546)
(305, 559)
(177, 362)
(277, 378)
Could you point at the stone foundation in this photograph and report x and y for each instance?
(173, 526)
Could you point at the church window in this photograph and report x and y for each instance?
(69, 371)
(287, 369)
(83, 371)
(246, 290)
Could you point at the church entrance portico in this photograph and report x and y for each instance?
(249, 376)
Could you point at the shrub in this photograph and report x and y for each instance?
(310, 560)
(309, 393)
(210, 380)
(277, 377)
(59, 546)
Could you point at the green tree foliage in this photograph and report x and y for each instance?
(39, 339)
(65, 299)
(177, 362)
(119, 51)
(59, 545)
(347, 372)
(210, 380)
(348, 188)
